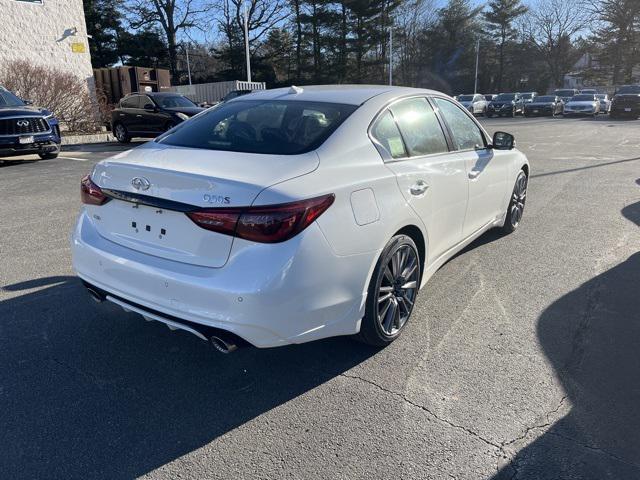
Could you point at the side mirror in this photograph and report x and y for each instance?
(503, 141)
(150, 107)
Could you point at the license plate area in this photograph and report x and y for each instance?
(26, 140)
(163, 233)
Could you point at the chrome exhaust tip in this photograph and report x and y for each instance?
(95, 295)
(223, 344)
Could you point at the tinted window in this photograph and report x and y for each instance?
(466, 134)
(629, 89)
(173, 101)
(465, 98)
(130, 102)
(419, 126)
(386, 132)
(583, 98)
(565, 93)
(8, 99)
(270, 126)
(546, 98)
(146, 101)
(506, 97)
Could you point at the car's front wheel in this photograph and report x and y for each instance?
(48, 156)
(516, 204)
(392, 292)
(121, 133)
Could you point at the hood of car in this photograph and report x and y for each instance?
(540, 104)
(25, 111)
(585, 103)
(191, 111)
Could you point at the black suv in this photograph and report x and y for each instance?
(626, 102)
(150, 114)
(26, 130)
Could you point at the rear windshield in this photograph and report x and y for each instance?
(565, 93)
(465, 98)
(173, 101)
(280, 127)
(8, 99)
(506, 97)
(584, 98)
(546, 98)
(629, 89)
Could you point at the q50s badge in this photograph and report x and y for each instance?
(216, 199)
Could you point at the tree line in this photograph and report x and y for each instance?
(519, 44)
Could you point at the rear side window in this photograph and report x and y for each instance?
(466, 134)
(386, 133)
(281, 127)
(130, 102)
(420, 127)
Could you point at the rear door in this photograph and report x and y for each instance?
(152, 120)
(127, 112)
(432, 180)
(486, 169)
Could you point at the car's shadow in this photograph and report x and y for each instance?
(88, 391)
(591, 336)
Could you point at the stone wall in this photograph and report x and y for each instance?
(42, 32)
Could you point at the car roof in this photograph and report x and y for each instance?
(345, 94)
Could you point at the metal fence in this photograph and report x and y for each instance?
(213, 92)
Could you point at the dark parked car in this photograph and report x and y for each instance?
(626, 102)
(509, 104)
(544, 105)
(566, 94)
(26, 130)
(150, 114)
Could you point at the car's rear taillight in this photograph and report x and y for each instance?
(265, 224)
(91, 193)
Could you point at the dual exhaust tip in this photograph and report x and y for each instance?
(221, 341)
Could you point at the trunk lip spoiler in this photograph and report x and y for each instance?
(150, 201)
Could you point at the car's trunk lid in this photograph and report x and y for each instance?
(173, 180)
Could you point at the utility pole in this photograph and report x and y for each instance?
(188, 63)
(246, 40)
(475, 84)
(390, 55)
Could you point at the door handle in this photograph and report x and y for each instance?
(474, 174)
(418, 188)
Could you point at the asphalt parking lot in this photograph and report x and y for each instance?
(521, 359)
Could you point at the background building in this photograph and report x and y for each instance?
(51, 33)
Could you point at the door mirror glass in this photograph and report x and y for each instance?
(503, 141)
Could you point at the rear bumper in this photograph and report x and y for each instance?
(621, 110)
(269, 295)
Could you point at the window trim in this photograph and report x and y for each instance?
(386, 158)
(483, 133)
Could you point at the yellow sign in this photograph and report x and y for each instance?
(78, 47)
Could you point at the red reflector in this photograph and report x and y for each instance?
(268, 224)
(90, 193)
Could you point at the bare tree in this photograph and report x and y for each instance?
(410, 21)
(552, 24)
(173, 16)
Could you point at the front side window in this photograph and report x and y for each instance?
(281, 127)
(174, 101)
(131, 102)
(147, 101)
(466, 134)
(420, 127)
(386, 133)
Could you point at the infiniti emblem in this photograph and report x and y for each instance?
(140, 183)
(22, 123)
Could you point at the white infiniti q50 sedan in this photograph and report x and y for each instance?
(290, 215)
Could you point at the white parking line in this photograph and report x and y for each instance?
(75, 159)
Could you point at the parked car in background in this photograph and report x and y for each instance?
(626, 102)
(544, 105)
(475, 103)
(505, 104)
(150, 114)
(490, 96)
(285, 216)
(26, 129)
(605, 102)
(528, 97)
(566, 94)
(582, 104)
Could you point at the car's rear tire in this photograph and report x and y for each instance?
(121, 133)
(515, 209)
(392, 292)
